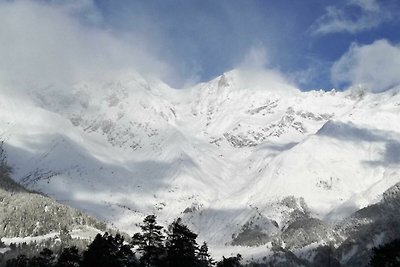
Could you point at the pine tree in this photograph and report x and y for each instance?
(150, 242)
(387, 255)
(20, 261)
(45, 259)
(99, 252)
(205, 257)
(126, 258)
(90, 255)
(181, 246)
(69, 257)
(122, 254)
(107, 251)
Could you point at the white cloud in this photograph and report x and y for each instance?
(58, 42)
(376, 66)
(85, 9)
(371, 15)
(368, 5)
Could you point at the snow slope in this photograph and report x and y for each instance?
(224, 155)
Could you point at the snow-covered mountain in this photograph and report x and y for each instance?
(241, 158)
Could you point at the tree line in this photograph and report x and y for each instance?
(152, 247)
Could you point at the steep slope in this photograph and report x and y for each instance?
(244, 155)
(24, 213)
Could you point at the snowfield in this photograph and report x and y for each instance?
(235, 157)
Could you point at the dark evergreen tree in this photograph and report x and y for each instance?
(387, 255)
(20, 261)
(150, 242)
(13, 246)
(126, 258)
(46, 258)
(97, 253)
(205, 257)
(181, 246)
(231, 261)
(69, 257)
(107, 251)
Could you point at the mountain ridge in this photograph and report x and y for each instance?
(222, 154)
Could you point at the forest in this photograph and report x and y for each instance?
(156, 247)
(151, 247)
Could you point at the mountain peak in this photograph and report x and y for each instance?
(245, 147)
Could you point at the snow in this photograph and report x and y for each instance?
(84, 232)
(4, 250)
(232, 148)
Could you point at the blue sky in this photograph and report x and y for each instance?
(314, 43)
(205, 38)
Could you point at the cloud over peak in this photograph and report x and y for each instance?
(57, 42)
